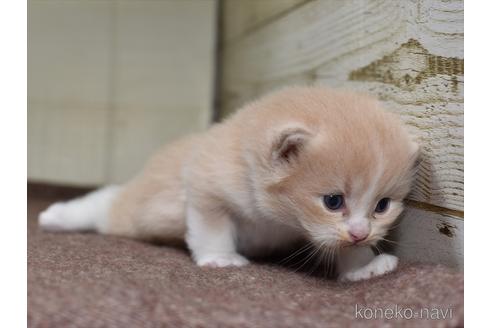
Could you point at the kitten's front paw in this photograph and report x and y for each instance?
(380, 265)
(222, 260)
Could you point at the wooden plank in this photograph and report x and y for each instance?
(65, 143)
(164, 72)
(69, 51)
(430, 237)
(408, 53)
(111, 81)
(241, 16)
(68, 90)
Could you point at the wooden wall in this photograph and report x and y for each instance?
(109, 81)
(408, 53)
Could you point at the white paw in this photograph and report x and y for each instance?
(380, 265)
(222, 260)
(52, 217)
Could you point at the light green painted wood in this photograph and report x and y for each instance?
(408, 53)
(430, 237)
(68, 85)
(110, 81)
(241, 17)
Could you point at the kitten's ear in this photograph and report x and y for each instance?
(288, 144)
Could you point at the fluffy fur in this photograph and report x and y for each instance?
(255, 183)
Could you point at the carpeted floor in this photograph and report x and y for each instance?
(88, 280)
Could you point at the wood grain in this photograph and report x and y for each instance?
(429, 237)
(241, 17)
(408, 53)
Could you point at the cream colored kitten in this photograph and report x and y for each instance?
(309, 163)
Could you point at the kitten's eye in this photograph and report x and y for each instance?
(333, 202)
(382, 205)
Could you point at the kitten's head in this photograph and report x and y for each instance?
(338, 163)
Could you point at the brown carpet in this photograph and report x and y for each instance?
(88, 280)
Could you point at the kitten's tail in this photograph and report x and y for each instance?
(87, 213)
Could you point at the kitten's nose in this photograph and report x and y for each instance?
(358, 235)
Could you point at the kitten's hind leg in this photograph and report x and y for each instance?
(211, 238)
(360, 263)
(87, 213)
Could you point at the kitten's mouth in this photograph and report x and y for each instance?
(350, 243)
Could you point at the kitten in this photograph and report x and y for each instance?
(303, 163)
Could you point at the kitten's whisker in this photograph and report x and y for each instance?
(379, 249)
(295, 253)
(397, 243)
(323, 260)
(328, 258)
(329, 261)
(316, 266)
(309, 258)
(334, 257)
(394, 226)
(303, 259)
(389, 240)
